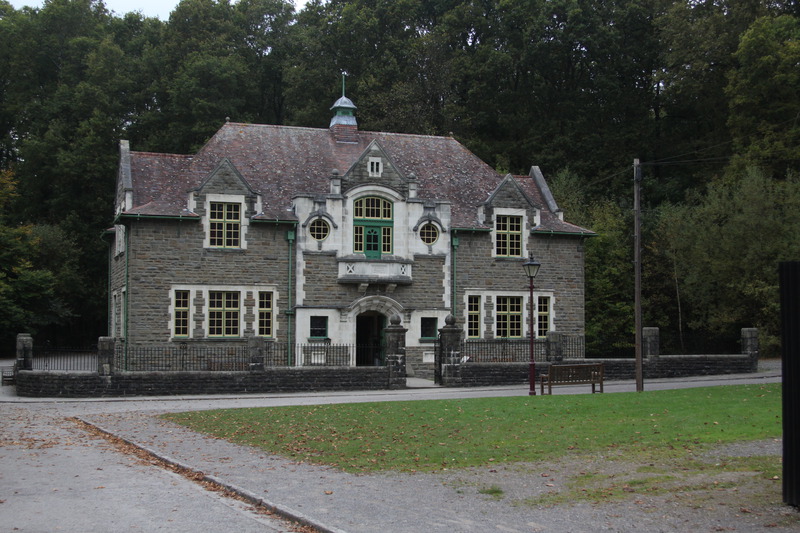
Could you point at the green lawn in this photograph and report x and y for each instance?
(431, 435)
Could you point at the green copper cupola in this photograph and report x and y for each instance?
(343, 109)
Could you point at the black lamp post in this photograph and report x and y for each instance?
(531, 267)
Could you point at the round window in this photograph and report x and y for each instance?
(319, 229)
(429, 233)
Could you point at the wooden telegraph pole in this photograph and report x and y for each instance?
(637, 266)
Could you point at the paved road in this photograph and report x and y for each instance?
(56, 477)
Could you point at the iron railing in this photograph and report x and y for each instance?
(65, 359)
(187, 358)
(502, 351)
(181, 358)
(518, 350)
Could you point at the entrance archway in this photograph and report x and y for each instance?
(370, 316)
(369, 338)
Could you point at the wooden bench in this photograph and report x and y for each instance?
(581, 374)
(7, 375)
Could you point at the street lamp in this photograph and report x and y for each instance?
(531, 267)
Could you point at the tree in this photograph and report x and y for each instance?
(728, 246)
(764, 93)
(609, 268)
(36, 270)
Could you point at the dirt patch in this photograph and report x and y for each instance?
(735, 487)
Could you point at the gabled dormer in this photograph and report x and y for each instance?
(225, 202)
(512, 214)
(375, 167)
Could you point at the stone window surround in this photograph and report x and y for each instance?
(248, 309)
(375, 167)
(244, 220)
(501, 211)
(489, 298)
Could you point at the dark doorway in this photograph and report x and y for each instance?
(369, 338)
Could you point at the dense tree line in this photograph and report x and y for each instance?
(704, 92)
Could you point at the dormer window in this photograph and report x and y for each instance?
(224, 225)
(508, 236)
(375, 167)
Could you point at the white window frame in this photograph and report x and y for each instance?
(498, 212)
(375, 167)
(244, 221)
(119, 240)
(550, 308)
(258, 310)
(248, 316)
(470, 314)
(491, 296)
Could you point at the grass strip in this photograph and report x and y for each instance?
(439, 434)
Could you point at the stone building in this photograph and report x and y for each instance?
(303, 235)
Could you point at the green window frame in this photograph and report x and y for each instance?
(180, 318)
(265, 323)
(508, 235)
(508, 317)
(224, 312)
(542, 316)
(473, 316)
(373, 225)
(225, 225)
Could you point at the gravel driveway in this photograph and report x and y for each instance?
(57, 477)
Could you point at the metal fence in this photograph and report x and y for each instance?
(187, 358)
(242, 358)
(180, 358)
(65, 359)
(518, 350)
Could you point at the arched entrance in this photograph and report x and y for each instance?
(369, 338)
(370, 315)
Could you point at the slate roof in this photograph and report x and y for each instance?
(280, 162)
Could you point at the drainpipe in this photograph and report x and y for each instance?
(454, 242)
(290, 311)
(126, 293)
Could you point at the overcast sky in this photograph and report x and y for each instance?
(150, 8)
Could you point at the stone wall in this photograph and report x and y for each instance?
(561, 275)
(294, 379)
(665, 366)
(163, 254)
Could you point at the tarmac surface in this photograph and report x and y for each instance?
(56, 476)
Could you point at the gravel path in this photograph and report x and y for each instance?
(576, 494)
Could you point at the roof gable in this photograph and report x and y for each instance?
(374, 167)
(225, 179)
(509, 194)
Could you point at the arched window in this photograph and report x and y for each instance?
(372, 226)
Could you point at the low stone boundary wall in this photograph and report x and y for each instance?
(294, 379)
(665, 366)
(484, 374)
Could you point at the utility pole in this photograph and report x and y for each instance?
(637, 267)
